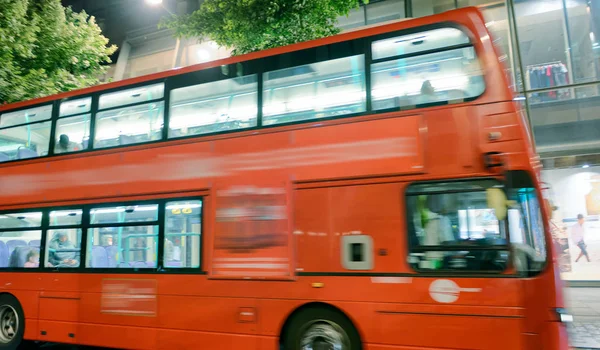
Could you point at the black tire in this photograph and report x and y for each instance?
(307, 319)
(10, 307)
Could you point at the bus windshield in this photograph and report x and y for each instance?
(451, 227)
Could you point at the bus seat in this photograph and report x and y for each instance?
(85, 143)
(173, 264)
(3, 254)
(99, 257)
(126, 139)
(4, 157)
(19, 256)
(34, 243)
(138, 264)
(112, 252)
(24, 153)
(13, 243)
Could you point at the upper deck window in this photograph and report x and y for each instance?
(132, 96)
(431, 67)
(317, 90)
(222, 105)
(419, 42)
(73, 127)
(25, 133)
(139, 120)
(73, 107)
(26, 116)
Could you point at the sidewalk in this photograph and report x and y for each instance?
(584, 305)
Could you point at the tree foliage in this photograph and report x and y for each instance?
(253, 25)
(46, 48)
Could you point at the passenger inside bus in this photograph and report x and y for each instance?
(24, 256)
(108, 240)
(427, 93)
(65, 145)
(439, 227)
(62, 251)
(33, 259)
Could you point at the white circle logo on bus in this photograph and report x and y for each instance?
(447, 291)
(444, 291)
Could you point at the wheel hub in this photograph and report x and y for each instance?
(324, 335)
(9, 323)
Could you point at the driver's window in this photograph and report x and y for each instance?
(451, 227)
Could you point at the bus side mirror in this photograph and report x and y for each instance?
(496, 199)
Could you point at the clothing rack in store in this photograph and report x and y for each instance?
(543, 64)
(547, 75)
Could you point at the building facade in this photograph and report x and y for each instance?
(551, 52)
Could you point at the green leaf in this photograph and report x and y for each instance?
(252, 25)
(46, 48)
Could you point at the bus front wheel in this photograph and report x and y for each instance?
(321, 328)
(12, 322)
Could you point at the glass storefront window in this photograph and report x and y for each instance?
(584, 24)
(355, 19)
(384, 11)
(566, 126)
(422, 8)
(543, 43)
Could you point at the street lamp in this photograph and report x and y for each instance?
(153, 2)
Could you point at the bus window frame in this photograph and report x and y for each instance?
(85, 225)
(415, 30)
(315, 54)
(52, 119)
(95, 110)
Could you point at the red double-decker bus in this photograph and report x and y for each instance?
(376, 189)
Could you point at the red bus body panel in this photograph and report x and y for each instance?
(364, 162)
